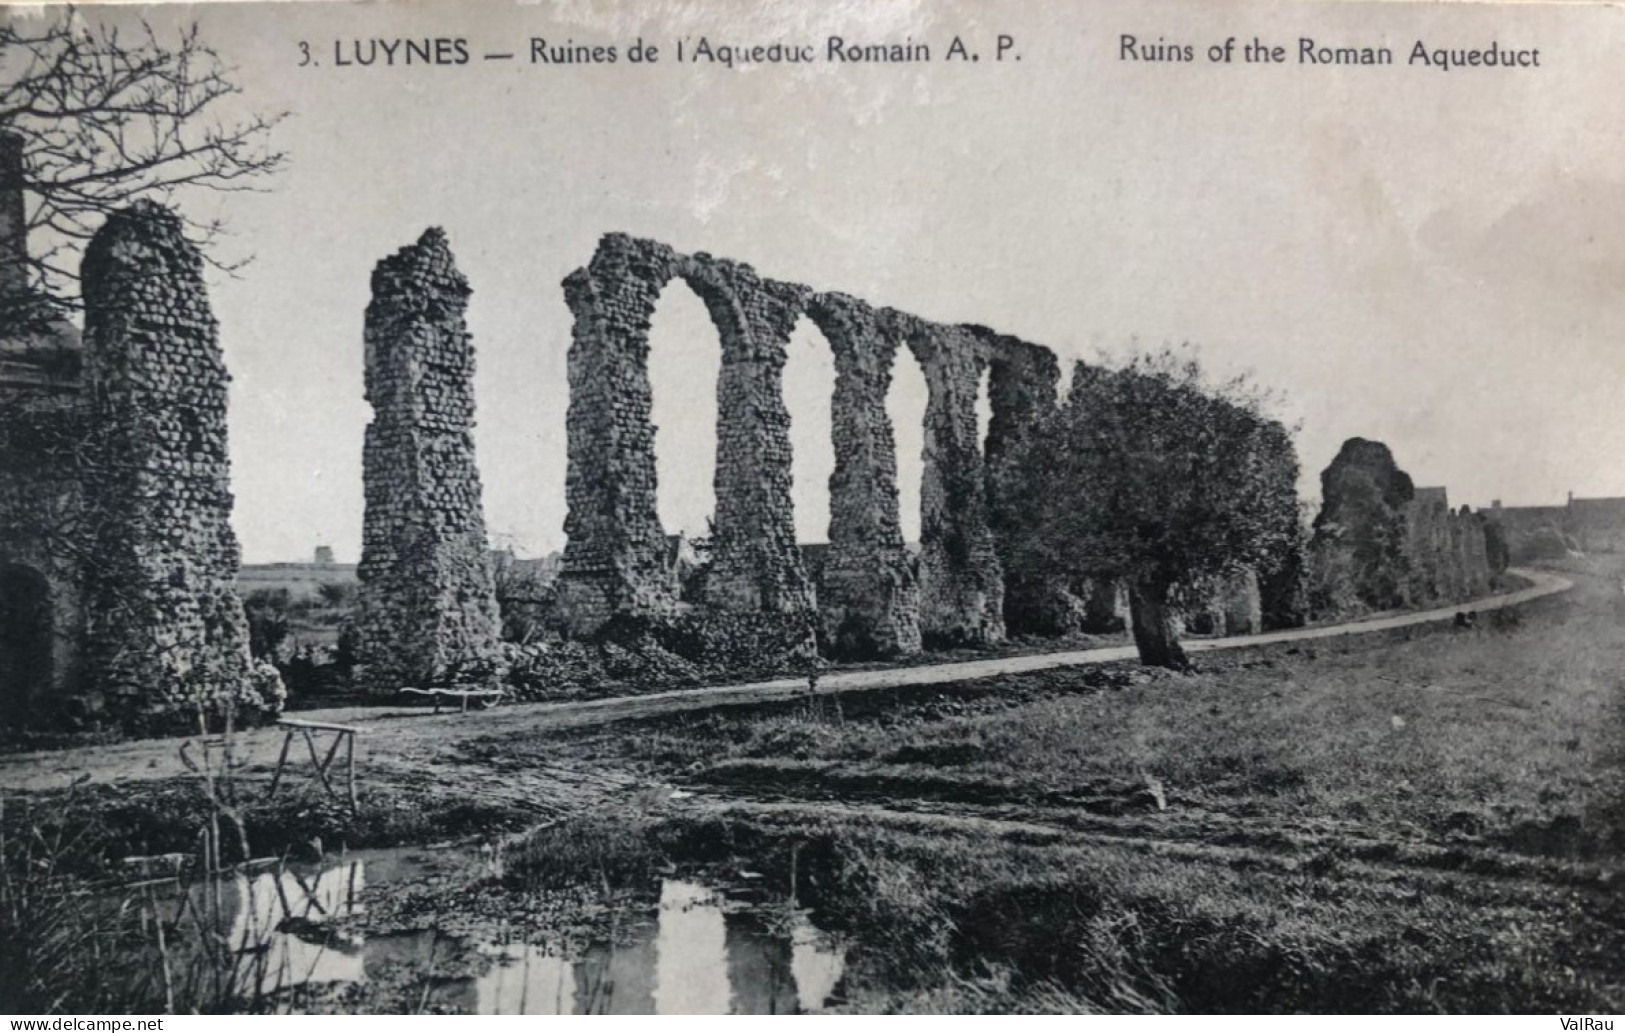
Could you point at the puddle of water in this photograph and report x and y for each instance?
(702, 953)
(285, 919)
(699, 957)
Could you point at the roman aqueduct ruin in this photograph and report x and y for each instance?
(116, 551)
(867, 601)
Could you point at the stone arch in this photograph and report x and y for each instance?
(615, 561)
(755, 561)
(868, 595)
(961, 583)
(870, 598)
(27, 639)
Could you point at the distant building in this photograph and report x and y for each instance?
(1589, 525)
(1597, 525)
(324, 555)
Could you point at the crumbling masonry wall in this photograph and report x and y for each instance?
(427, 610)
(755, 563)
(961, 581)
(613, 557)
(1445, 550)
(868, 595)
(868, 601)
(1024, 390)
(1380, 542)
(164, 630)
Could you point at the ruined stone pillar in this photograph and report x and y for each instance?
(165, 630)
(755, 561)
(427, 602)
(612, 558)
(868, 598)
(961, 583)
(1023, 386)
(13, 220)
(1475, 553)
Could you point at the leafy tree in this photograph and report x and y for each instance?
(1150, 476)
(104, 116)
(337, 594)
(268, 623)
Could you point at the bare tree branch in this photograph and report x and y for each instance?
(105, 117)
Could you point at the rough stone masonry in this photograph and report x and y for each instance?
(869, 600)
(1380, 542)
(164, 630)
(427, 603)
(117, 557)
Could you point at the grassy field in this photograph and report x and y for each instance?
(1428, 820)
(1414, 825)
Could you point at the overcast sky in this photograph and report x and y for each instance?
(1433, 259)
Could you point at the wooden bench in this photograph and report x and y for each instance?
(485, 698)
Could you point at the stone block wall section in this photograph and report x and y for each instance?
(427, 609)
(164, 630)
(613, 556)
(1382, 542)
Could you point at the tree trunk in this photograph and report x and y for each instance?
(1156, 627)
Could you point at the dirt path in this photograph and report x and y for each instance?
(1285, 847)
(402, 738)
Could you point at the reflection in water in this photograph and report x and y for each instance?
(617, 980)
(690, 979)
(526, 980)
(701, 955)
(758, 967)
(698, 959)
(281, 924)
(814, 965)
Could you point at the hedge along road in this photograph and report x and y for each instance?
(398, 734)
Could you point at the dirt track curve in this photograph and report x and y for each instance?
(410, 737)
